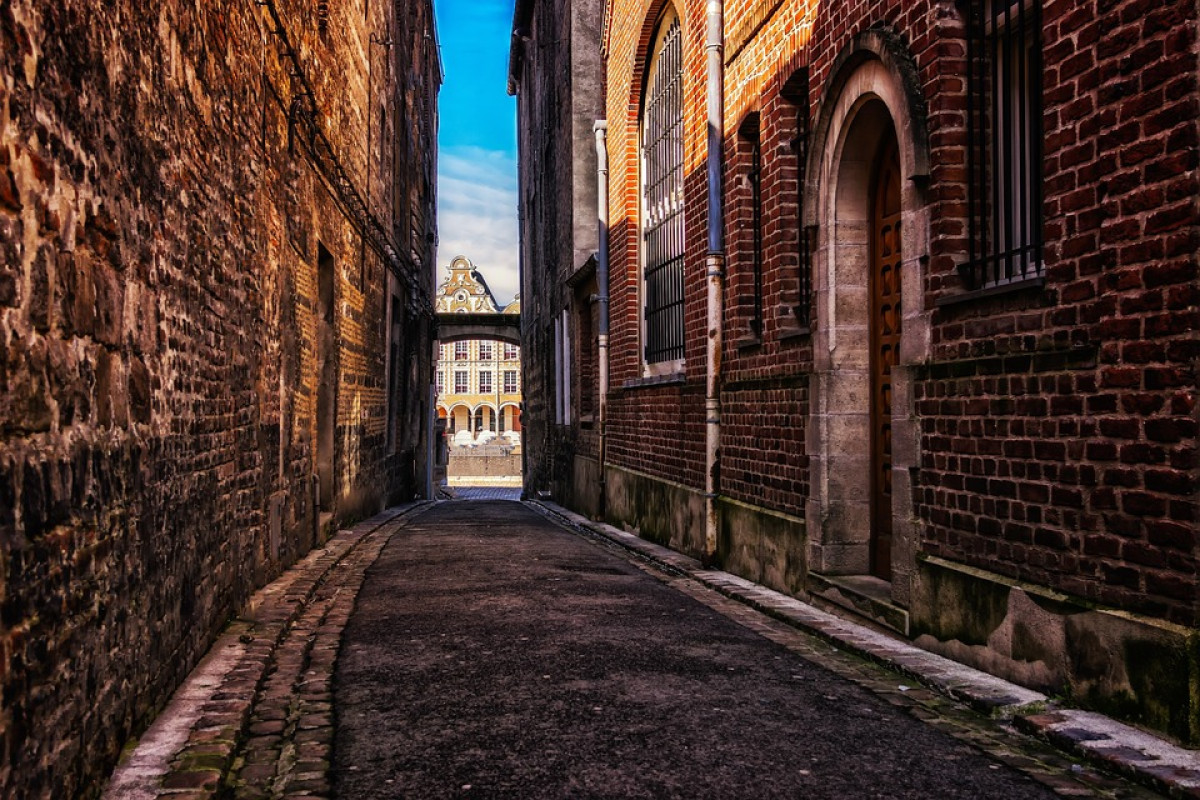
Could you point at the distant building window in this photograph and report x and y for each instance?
(485, 351)
(1004, 96)
(462, 381)
(462, 351)
(441, 382)
(485, 381)
(511, 352)
(511, 385)
(661, 128)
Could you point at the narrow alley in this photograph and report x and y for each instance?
(493, 652)
(599, 398)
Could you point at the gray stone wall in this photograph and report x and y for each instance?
(556, 76)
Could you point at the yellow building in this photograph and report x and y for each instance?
(478, 380)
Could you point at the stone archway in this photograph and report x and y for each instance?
(869, 108)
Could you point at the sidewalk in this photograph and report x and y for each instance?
(256, 714)
(1146, 759)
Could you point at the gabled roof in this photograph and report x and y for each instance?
(464, 291)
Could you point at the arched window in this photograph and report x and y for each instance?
(661, 134)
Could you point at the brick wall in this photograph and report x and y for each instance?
(1057, 426)
(160, 226)
(1066, 420)
(655, 429)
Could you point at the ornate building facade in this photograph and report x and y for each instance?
(478, 380)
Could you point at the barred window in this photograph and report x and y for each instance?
(1004, 108)
(750, 135)
(661, 128)
(796, 93)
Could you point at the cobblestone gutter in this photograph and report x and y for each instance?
(255, 720)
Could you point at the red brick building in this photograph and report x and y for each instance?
(948, 262)
(216, 269)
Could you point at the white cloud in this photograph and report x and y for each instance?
(477, 215)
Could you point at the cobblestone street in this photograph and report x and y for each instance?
(479, 648)
(494, 654)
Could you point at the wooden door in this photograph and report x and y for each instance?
(885, 348)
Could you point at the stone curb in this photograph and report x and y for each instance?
(1140, 756)
(189, 749)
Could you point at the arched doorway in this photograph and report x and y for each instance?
(460, 419)
(866, 203)
(858, 343)
(510, 418)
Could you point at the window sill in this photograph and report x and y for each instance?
(668, 379)
(794, 332)
(748, 342)
(1011, 287)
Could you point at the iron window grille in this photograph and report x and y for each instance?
(754, 183)
(798, 93)
(462, 381)
(662, 201)
(510, 381)
(1004, 147)
(485, 381)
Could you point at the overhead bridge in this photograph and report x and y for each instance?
(502, 327)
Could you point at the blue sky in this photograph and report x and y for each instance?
(477, 161)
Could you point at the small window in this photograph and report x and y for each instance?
(511, 384)
(1004, 96)
(485, 381)
(462, 381)
(462, 351)
(751, 147)
(441, 382)
(511, 352)
(485, 351)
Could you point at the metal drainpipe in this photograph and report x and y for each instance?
(714, 46)
(601, 131)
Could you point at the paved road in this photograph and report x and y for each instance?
(493, 654)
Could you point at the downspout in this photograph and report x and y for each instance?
(601, 131)
(714, 46)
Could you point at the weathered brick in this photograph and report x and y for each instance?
(158, 342)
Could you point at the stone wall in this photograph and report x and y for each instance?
(167, 235)
(484, 462)
(554, 70)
